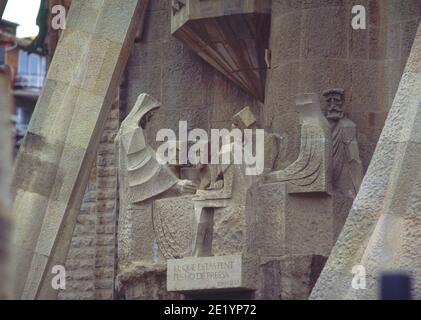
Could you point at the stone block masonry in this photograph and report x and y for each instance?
(90, 263)
(106, 211)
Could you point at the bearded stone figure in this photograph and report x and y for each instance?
(347, 168)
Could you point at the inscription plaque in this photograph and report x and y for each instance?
(233, 272)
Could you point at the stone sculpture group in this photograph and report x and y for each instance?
(197, 215)
(200, 229)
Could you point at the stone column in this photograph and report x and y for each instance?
(5, 177)
(53, 165)
(382, 232)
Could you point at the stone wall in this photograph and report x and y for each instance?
(81, 257)
(106, 215)
(91, 260)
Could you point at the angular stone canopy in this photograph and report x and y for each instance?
(232, 37)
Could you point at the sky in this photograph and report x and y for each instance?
(23, 12)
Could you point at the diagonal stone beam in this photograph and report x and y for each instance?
(382, 232)
(53, 165)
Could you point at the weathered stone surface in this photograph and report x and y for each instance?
(80, 261)
(5, 179)
(382, 232)
(90, 263)
(63, 137)
(288, 277)
(296, 224)
(145, 282)
(212, 273)
(173, 225)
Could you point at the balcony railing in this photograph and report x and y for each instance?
(29, 81)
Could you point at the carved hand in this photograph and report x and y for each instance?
(217, 185)
(186, 187)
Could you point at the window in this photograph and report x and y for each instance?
(31, 70)
(2, 56)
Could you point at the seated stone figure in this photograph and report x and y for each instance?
(311, 171)
(142, 180)
(223, 199)
(146, 178)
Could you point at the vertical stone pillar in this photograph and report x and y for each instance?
(382, 232)
(53, 166)
(5, 177)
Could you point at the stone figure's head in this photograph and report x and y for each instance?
(335, 99)
(142, 112)
(146, 118)
(244, 119)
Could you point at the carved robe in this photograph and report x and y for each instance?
(347, 168)
(310, 172)
(140, 179)
(144, 176)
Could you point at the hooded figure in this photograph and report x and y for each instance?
(142, 179)
(146, 177)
